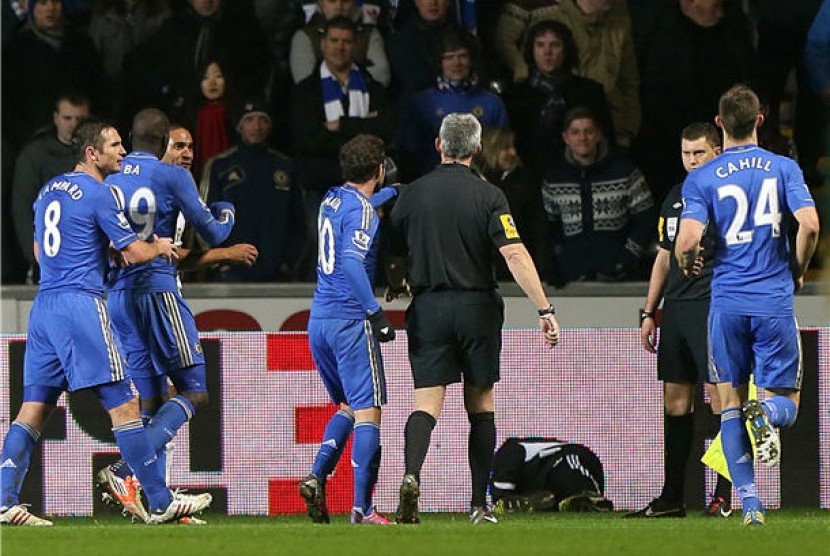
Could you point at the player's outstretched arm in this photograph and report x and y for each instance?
(143, 251)
(240, 253)
(805, 240)
(524, 272)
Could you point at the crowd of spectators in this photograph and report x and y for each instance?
(582, 102)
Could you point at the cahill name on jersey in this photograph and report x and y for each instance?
(747, 194)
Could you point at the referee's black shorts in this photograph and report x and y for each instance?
(682, 354)
(454, 334)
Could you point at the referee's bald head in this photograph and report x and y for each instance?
(460, 136)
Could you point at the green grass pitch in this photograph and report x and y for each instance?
(788, 532)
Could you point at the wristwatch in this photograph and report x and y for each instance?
(547, 312)
(646, 315)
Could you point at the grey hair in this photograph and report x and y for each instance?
(460, 135)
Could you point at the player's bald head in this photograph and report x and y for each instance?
(150, 129)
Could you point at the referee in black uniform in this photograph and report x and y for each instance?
(682, 360)
(453, 222)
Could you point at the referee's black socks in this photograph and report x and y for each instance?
(417, 435)
(677, 435)
(480, 452)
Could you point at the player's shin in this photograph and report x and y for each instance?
(781, 410)
(336, 435)
(375, 467)
(168, 420)
(738, 452)
(137, 450)
(20, 440)
(366, 445)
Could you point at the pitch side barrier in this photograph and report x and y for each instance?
(268, 410)
(280, 307)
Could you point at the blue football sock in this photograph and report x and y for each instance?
(121, 469)
(366, 443)
(146, 417)
(781, 410)
(135, 446)
(335, 437)
(168, 420)
(375, 467)
(737, 449)
(749, 498)
(21, 440)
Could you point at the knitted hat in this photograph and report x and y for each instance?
(250, 107)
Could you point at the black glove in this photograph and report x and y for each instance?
(381, 327)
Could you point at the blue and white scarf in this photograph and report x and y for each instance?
(333, 94)
(463, 85)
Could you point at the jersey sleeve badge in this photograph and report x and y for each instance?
(361, 240)
(509, 227)
(671, 228)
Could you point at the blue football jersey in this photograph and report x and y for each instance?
(76, 217)
(153, 194)
(747, 194)
(347, 226)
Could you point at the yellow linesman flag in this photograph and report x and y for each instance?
(714, 457)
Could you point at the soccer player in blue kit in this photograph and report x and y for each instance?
(70, 345)
(747, 194)
(344, 329)
(155, 328)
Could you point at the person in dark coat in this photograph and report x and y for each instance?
(538, 104)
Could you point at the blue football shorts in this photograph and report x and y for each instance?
(349, 361)
(769, 347)
(70, 343)
(156, 331)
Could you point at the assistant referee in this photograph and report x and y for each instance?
(453, 223)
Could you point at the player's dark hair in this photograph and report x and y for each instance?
(89, 133)
(701, 130)
(571, 52)
(174, 126)
(360, 158)
(150, 130)
(339, 22)
(738, 109)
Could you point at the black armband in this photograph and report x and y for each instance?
(546, 312)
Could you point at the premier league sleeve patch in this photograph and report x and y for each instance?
(361, 240)
(122, 221)
(509, 227)
(671, 227)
